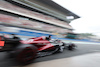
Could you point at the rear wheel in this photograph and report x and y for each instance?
(26, 55)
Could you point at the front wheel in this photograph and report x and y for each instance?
(71, 47)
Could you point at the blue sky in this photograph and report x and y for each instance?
(89, 12)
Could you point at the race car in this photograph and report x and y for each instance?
(25, 51)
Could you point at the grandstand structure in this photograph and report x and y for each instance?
(35, 15)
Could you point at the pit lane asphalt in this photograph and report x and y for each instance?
(82, 49)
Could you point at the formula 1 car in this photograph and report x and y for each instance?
(25, 51)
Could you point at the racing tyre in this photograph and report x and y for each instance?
(71, 47)
(26, 54)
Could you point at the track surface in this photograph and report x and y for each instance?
(82, 49)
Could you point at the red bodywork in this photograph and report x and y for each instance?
(40, 42)
(1, 43)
